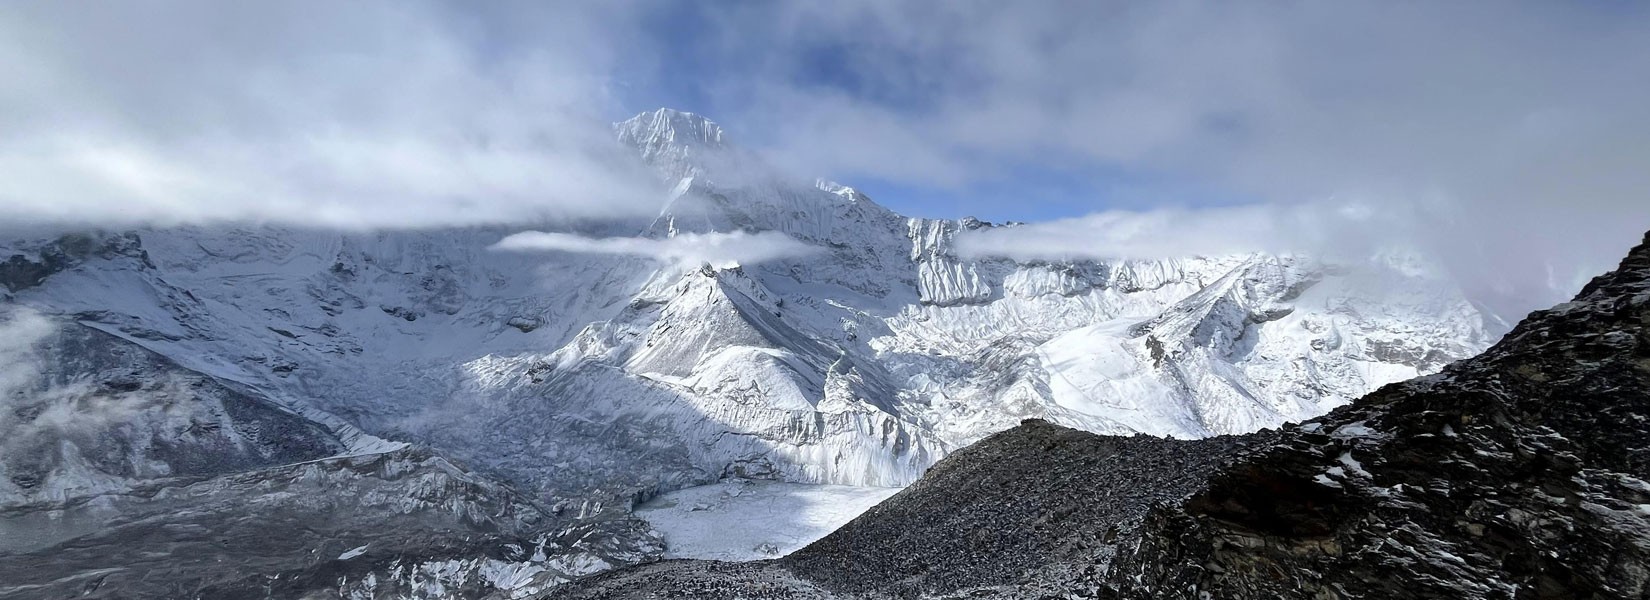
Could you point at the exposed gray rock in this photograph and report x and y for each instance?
(43, 259)
(387, 525)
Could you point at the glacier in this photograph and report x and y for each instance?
(590, 383)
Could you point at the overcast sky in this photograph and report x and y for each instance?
(1508, 137)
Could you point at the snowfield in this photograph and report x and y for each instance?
(753, 520)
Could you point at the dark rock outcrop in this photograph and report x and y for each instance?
(23, 271)
(1517, 474)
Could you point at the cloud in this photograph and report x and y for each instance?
(687, 248)
(1507, 136)
(31, 407)
(60, 429)
(21, 330)
(362, 114)
(1344, 230)
(1511, 132)
(1355, 234)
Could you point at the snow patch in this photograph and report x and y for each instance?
(747, 520)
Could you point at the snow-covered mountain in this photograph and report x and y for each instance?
(1518, 473)
(591, 381)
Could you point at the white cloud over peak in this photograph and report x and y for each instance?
(1507, 135)
(720, 249)
(359, 114)
(1325, 229)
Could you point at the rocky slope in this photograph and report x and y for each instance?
(588, 382)
(125, 475)
(1520, 473)
(91, 413)
(402, 524)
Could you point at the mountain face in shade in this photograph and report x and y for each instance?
(1520, 473)
(250, 363)
(92, 413)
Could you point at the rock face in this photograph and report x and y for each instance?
(586, 383)
(1521, 473)
(21, 271)
(395, 524)
(106, 447)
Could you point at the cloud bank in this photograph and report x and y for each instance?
(1331, 230)
(720, 249)
(1506, 136)
(1510, 132)
(359, 114)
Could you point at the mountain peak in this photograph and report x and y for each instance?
(669, 126)
(678, 144)
(832, 187)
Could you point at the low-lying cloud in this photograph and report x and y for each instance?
(54, 428)
(1346, 232)
(21, 330)
(1326, 229)
(691, 249)
(31, 407)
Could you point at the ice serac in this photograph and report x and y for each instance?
(1520, 473)
(587, 383)
(941, 278)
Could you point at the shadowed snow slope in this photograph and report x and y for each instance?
(590, 382)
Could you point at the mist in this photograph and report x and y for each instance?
(31, 409)
(1503, 138)
(690, 249)
(358, 115)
